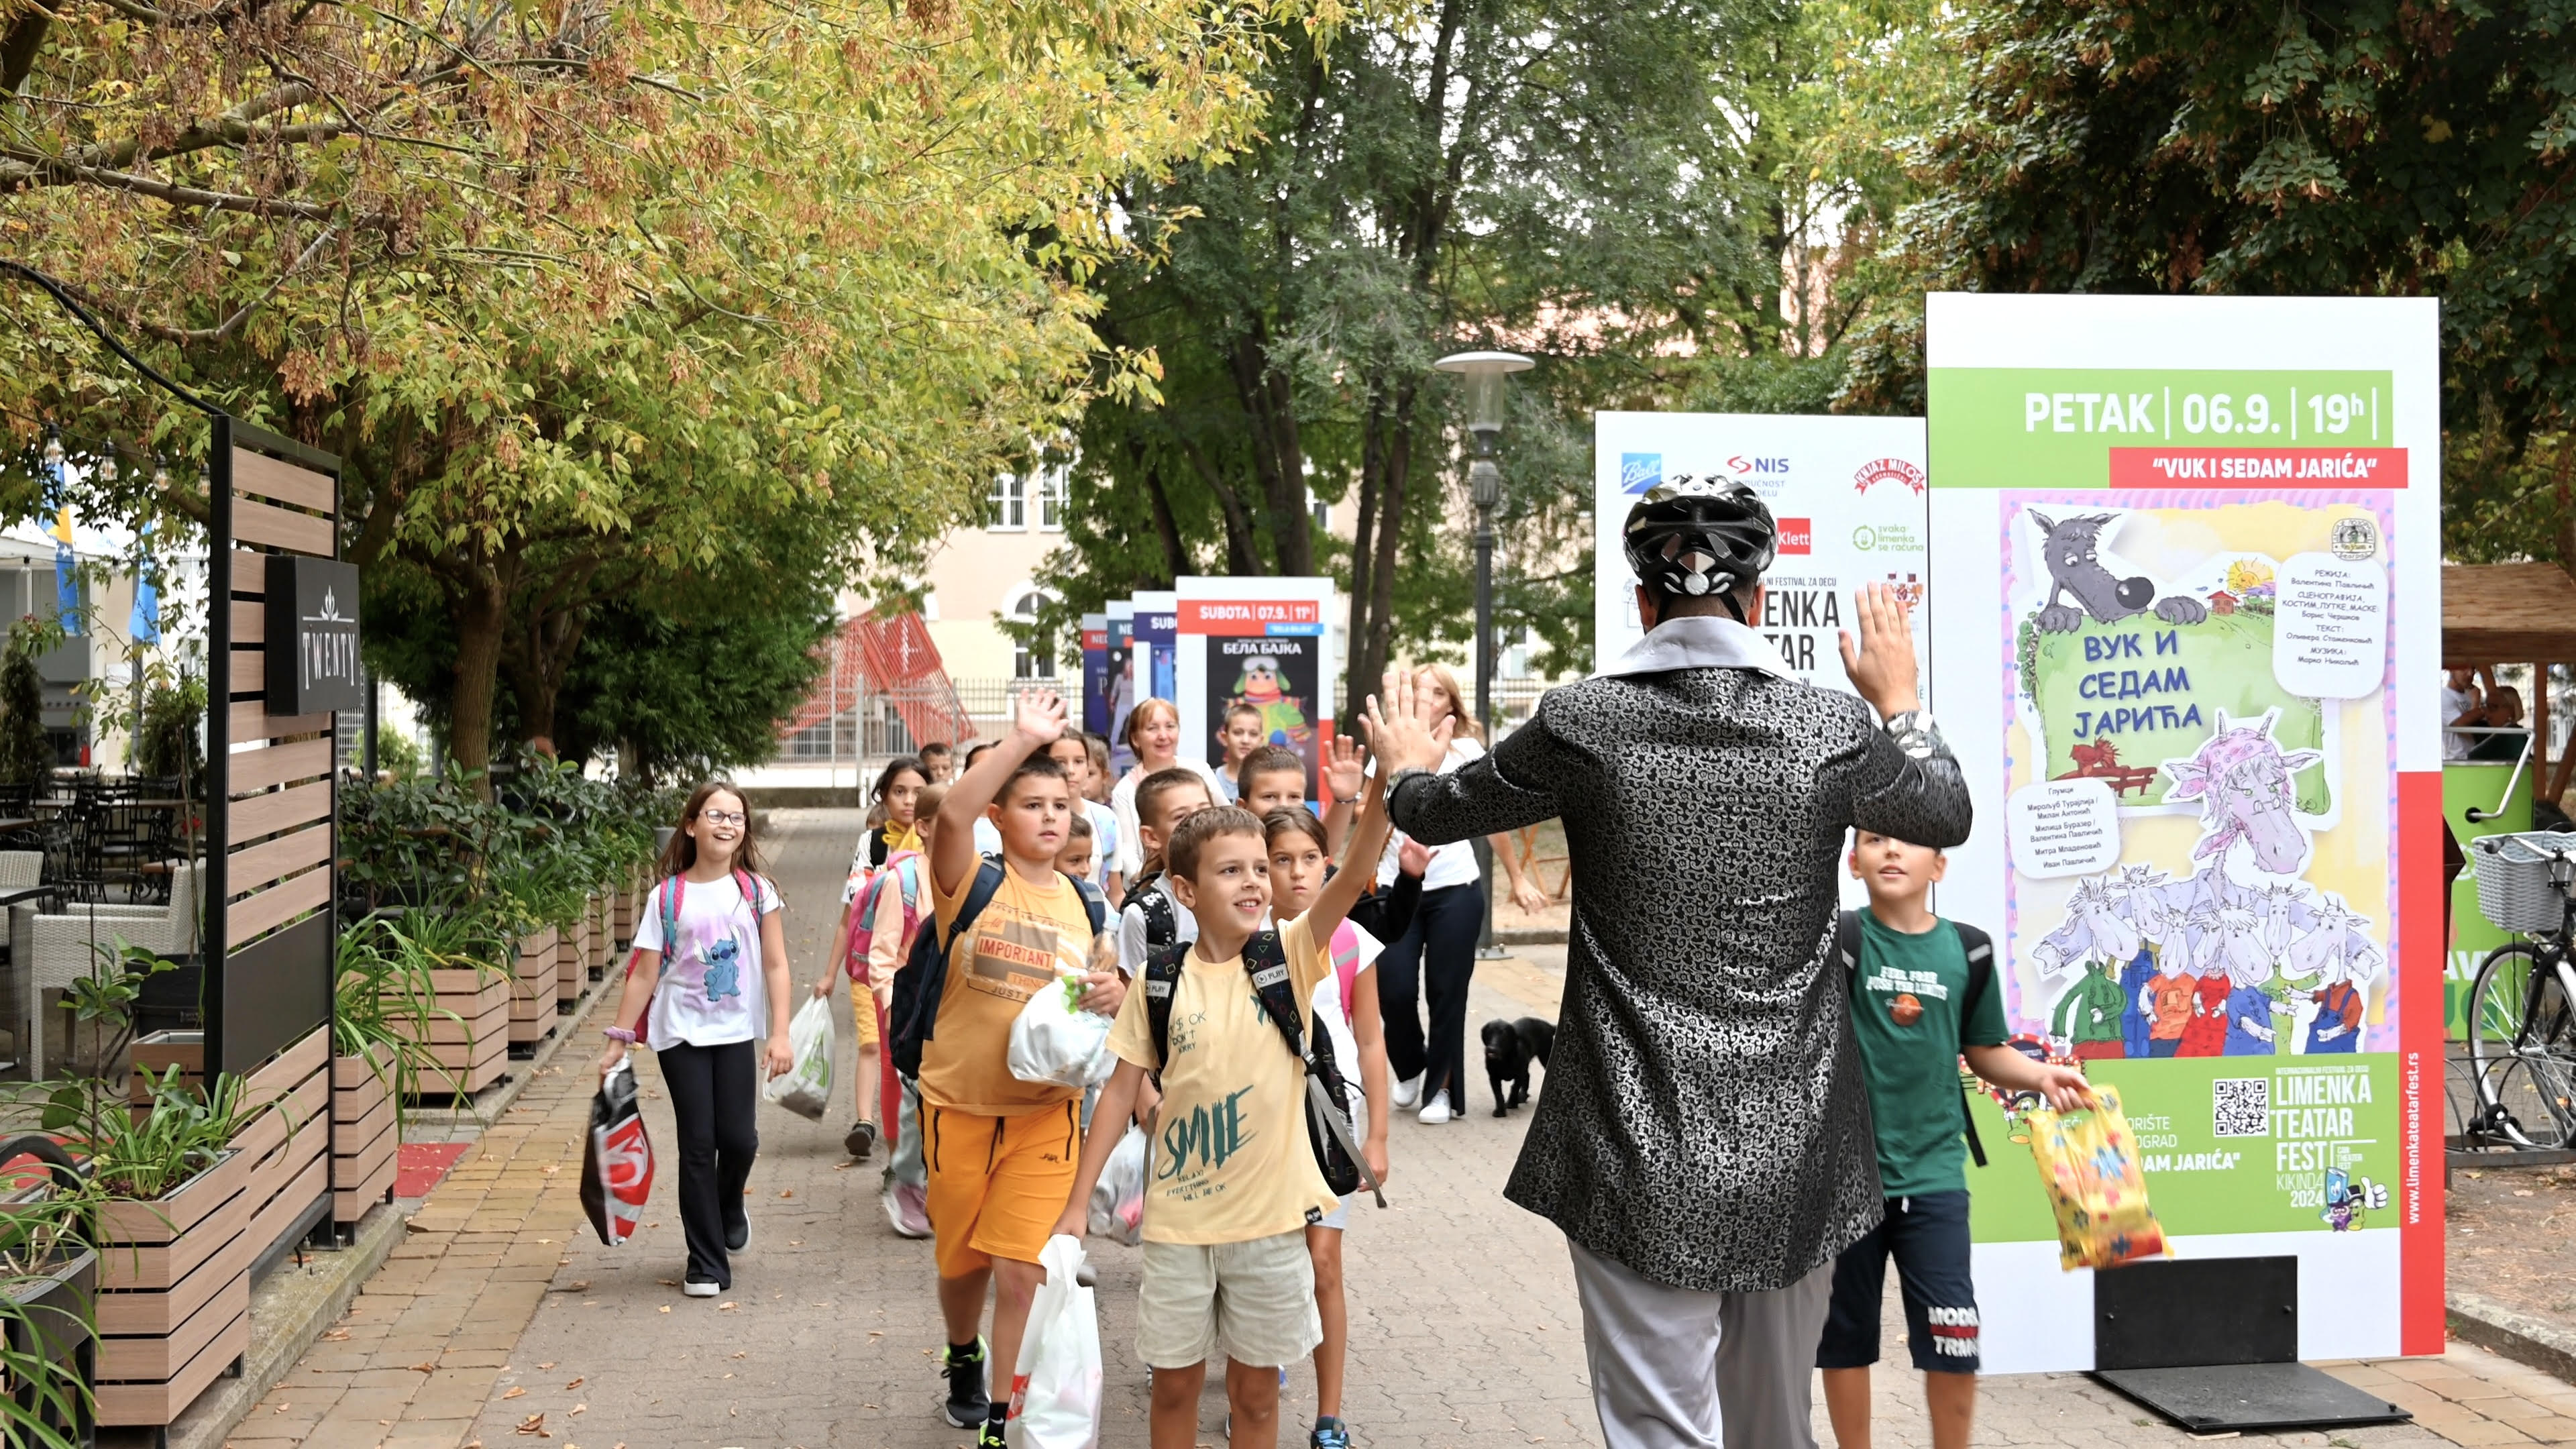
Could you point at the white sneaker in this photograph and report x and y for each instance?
(702, 1288)
(1408, 1091)
(1435, 1111)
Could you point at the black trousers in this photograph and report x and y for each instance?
(1436, 956)
(715, 1094)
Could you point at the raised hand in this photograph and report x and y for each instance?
(1398, 730)
(1881, 667)
(1346, 771)
(1412, 857)
(1038, 716)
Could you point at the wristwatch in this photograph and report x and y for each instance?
(1915, 733)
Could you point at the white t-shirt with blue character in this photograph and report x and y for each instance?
(711, 992)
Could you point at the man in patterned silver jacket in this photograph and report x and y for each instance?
(1703, 1139)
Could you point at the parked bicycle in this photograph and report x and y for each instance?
(2522, 1006)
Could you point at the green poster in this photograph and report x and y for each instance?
(2228, 1144)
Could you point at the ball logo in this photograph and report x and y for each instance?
(1797, 535)
(1888, 470)
(1640, 471)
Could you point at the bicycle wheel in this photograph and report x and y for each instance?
(2522, 1047)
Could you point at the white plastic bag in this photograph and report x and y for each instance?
(1055, 1390)
(1055, 1040)
(806, 1088)
(1118, 1198)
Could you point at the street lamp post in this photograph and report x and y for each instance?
(1488, 376)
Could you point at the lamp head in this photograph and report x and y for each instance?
(1487, 375)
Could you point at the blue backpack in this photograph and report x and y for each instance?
(913, 1015)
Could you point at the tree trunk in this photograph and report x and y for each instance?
(1373, 611)
(482, 614)
(1278, 460)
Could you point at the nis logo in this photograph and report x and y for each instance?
(1758, 467)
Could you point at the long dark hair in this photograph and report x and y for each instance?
(894, 770)
(682, 852)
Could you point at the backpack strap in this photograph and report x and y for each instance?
(1095, 902)
(1162, 973)
(1847, 946)
(1981, 978)
(1265, 960)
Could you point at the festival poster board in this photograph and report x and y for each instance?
(1119, 684)
(2185, 617)
(2501, 794)
(1095, 672)
(1848, 495)
(1157, 643)
(1263, 641)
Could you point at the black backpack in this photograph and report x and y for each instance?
(1981, 978)
(913, 1014)
(1148, 894)
(1328, 1111)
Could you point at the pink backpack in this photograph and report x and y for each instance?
(905, 867)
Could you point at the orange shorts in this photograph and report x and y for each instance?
(998, 1184)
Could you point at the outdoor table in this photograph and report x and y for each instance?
(15, 823)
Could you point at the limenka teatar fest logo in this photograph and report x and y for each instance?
(1887, 470)
(330, 643)
(1640, 471)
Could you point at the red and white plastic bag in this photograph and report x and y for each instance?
(617, 1159)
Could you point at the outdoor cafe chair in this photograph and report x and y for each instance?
(56, 949)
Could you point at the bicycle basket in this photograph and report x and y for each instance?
(2515, 891)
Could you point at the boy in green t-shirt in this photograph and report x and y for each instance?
(1913, 1016)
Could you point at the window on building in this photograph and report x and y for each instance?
(1010, 503)
(1051, 496)
(1035, 656)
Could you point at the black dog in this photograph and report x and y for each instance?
(1510, 1047)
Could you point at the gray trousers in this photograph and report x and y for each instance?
(1666, 1361)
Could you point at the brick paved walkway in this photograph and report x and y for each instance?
(503, 1307)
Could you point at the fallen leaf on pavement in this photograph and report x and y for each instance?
(577, 1408)
(787, 1192)
(545, 1365)
(727, 1307)
(576, 1383)
(666, 1308)
(514, 1393)
(533, 1424)
(424, 1368)
(337, 1335)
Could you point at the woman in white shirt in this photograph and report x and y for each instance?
(1437, 956)
(1154, 733)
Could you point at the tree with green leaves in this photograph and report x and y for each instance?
(599, 294)
(2371, 148)
(1626, 191)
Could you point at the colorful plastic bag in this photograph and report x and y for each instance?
(1055, 1389)
(806, 1088)
(616, 1160)
(2088, 1161)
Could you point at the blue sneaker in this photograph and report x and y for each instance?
(1329, 1434)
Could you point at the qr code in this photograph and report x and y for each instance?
(2241, 1107)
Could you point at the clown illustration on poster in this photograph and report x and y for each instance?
(1262, 643)
(2215, 524)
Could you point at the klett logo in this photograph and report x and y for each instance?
(1796, 536)
(1640, 471)
(1758, 467)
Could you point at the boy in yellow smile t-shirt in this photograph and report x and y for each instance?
(1235, 1180)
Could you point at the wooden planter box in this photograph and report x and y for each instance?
(364, 1135)
(468, 1033)
(174, 1293)
(622, 921)
(162, 1050)
(532, 990)
(55, 1329)
(603, 910)
(290, 1143)
(572, 950)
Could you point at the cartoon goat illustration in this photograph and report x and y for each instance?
(2241, 778)
(2072, 551)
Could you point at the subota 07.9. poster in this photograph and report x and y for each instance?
(2184, 620)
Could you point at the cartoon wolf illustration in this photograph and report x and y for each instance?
(2072, 551)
